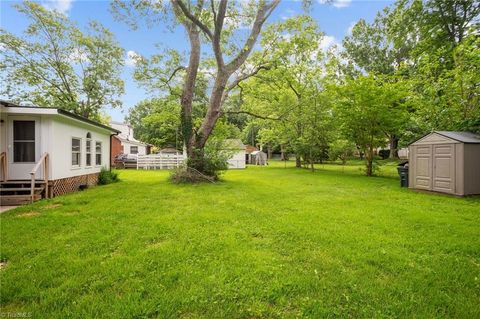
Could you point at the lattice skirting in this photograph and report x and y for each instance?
(72, 184)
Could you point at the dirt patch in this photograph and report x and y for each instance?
(157, 244)
(51, 206)
(31, 213)
(72, 212)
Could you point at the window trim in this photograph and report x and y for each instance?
(131, 149)
(87, 152)
(79, 152)
(101, 154)
(34, 141)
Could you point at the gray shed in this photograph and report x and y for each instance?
(446, 162)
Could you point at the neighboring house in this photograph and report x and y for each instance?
(64, 152)
(237, 160)
(125, 142)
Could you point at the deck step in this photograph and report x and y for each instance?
(21, 182)
(15, 200)
(21, 189)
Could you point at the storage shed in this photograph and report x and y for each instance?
(446, 162)
(237, 150)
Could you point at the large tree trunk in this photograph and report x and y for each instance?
(189, 89)
(214, 106)
(393, 147)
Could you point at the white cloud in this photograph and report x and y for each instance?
(336, 3)
(327, 41)
(350, 27)
(62, 6)
(132, 58)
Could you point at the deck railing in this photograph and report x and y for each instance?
(43, 161)
(3, 165)
(160, 161)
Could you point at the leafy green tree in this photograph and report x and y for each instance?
(443, 64)
(290, 91)
(55, 64)
(367, 109)
(156, 121)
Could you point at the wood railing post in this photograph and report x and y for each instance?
(3, 165)
(43, 160)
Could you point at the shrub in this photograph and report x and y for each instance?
(106, 177)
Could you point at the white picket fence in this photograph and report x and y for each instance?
(160, 161)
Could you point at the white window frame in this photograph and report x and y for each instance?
(131, 149)
(96, 153)
(88, 152)
(79, 152)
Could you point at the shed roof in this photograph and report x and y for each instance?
(436, 137)
(464, 137)
(233, 144)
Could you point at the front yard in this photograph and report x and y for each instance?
(264, 243)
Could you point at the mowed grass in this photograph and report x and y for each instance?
(266, 242)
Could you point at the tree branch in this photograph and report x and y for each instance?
(262, 14)
(252, 114)
(193, 18)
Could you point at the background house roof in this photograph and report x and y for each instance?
(233, 144)
(126, 133)
(250, 148)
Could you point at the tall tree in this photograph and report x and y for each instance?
(291, 90)
(55, 64)
(367, 108)
(372, 49)
(212, 23)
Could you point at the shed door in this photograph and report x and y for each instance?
(444, 168)
(423, 167)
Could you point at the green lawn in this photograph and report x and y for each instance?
(268, 242)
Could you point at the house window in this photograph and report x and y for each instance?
(133, 149)
(76, 151)
(23, 141)
(88, 150)
(98, 153)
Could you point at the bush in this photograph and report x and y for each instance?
(106, 177)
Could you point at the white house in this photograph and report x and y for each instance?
(51, 149)
(237, 148)
(127, 143)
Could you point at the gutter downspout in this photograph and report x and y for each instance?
(110, 151)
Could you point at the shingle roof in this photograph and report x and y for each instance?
(464, 137)
(233, 144)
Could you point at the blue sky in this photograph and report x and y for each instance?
(334, 19)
